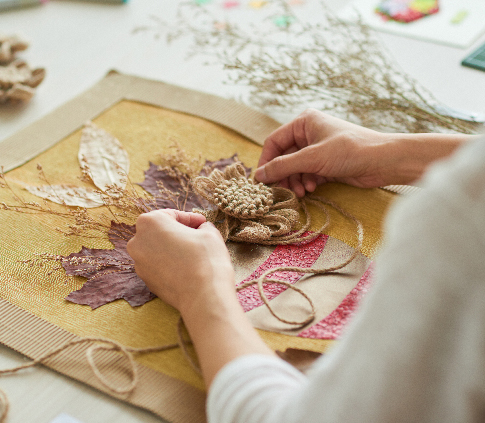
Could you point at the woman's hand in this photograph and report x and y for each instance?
(180, 257)
(184, 261)
(316, 148)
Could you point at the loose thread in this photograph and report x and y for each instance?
(263, 279)
(99, 344)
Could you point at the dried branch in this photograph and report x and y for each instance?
(336, 66)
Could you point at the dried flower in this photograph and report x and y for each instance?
(332, 65)
(247, 211)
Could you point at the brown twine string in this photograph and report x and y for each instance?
(100, 344)
(263, 279)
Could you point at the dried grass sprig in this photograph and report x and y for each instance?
(120, 205)
(336, 66)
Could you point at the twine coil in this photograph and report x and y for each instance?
(96, 344)
(246, 211)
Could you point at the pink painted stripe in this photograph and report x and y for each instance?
(301, 255)
(331, 326)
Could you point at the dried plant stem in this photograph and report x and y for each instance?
(333, 65)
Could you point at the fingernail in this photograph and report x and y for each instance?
(260, 174)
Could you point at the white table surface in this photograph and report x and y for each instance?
(78, 43)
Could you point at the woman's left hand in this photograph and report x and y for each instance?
(180, 257)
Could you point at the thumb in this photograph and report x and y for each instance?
(302, 161)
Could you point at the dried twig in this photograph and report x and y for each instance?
(333, 65)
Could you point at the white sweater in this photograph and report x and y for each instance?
(415, 352)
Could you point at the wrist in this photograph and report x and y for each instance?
(212, 296)
(406, 157)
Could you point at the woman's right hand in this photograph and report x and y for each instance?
(315, 148)
(181, 258)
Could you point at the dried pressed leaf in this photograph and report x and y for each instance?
(221, 164)
(68, 195)
(110, 273)
(103, 158)
(172, 189)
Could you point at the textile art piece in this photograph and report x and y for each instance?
(68, 299)
(407, 10)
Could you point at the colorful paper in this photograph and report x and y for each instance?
(257, 4)
(230, 4)
(283, 21)
(407, 10)
(443, 27)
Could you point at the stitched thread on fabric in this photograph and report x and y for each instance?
(332, 325)
(283, 255)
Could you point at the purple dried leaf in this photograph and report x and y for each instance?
(221, 165)
(155, 176)
(110, 274)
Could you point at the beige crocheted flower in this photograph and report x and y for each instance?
(247, 211)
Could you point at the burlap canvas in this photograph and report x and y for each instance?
(146, 117)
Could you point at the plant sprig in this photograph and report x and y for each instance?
(334, 65)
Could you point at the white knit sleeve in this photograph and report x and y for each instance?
(253, 388)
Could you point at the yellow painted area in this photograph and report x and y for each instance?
(145, 131)
(423, 6)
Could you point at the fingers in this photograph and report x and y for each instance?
(277, 143)
(192, 220)
(309, 182)
(302, 161)
(287, 138)
(299, 133)
(284, 183)
(296, 186)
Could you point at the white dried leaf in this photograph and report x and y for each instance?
(68, 195)
(103, 158)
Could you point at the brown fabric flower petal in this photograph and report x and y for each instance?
(247, 211)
